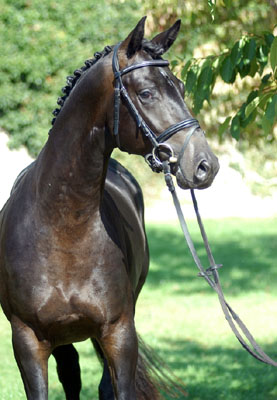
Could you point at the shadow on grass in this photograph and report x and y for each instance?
(208, 373)
(249, 260)
(232, 373)
(86, 394)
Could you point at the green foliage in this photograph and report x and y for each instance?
(44, 41)
(212, 4)
(250, 56)
(235, 45)
(41, 43)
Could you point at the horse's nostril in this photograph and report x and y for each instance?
(203, 170)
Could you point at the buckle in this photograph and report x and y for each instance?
(153, 164)
(171, 157)
(209, 271)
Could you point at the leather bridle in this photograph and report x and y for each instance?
(157, 141)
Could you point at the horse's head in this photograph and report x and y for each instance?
(153, 117)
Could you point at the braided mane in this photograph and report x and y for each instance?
(73, 79)
(151, 48)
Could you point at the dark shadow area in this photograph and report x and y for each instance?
(249, 261)
(233, 374)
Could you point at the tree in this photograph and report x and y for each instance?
(42, 42)
(235, 47)
(226, 55)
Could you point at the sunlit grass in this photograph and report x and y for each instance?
(179, 316)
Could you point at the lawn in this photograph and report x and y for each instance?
(179, 316)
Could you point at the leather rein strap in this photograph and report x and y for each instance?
(211, 274)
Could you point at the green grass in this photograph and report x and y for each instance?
(179, 315)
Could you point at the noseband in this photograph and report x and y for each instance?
(157, 141)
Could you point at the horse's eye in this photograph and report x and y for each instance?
(145, 94)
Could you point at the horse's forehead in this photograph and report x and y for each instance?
(168, 76)
(159, 76)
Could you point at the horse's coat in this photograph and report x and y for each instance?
(74, 254)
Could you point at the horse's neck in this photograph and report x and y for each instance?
(72, 167)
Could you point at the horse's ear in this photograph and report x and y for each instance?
(132, 43)
(167, 38)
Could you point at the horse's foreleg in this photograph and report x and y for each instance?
(120, 347)
(32, 359)
(68, 370)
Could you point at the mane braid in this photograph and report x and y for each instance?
(73, 79)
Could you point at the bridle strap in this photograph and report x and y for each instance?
(150, 63)
(120, 90)
(211, 274)
(187, 123)
(138, 118)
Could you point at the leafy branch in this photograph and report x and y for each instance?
(251, 56)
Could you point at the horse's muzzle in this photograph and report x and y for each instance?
(200, 176)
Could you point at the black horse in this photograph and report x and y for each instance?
(74, 254)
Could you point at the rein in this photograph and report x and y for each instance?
(211, 274)
(158, 141)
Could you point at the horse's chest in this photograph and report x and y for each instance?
(70, 314)
(71, 288)
(85, 287)
(76, 312)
